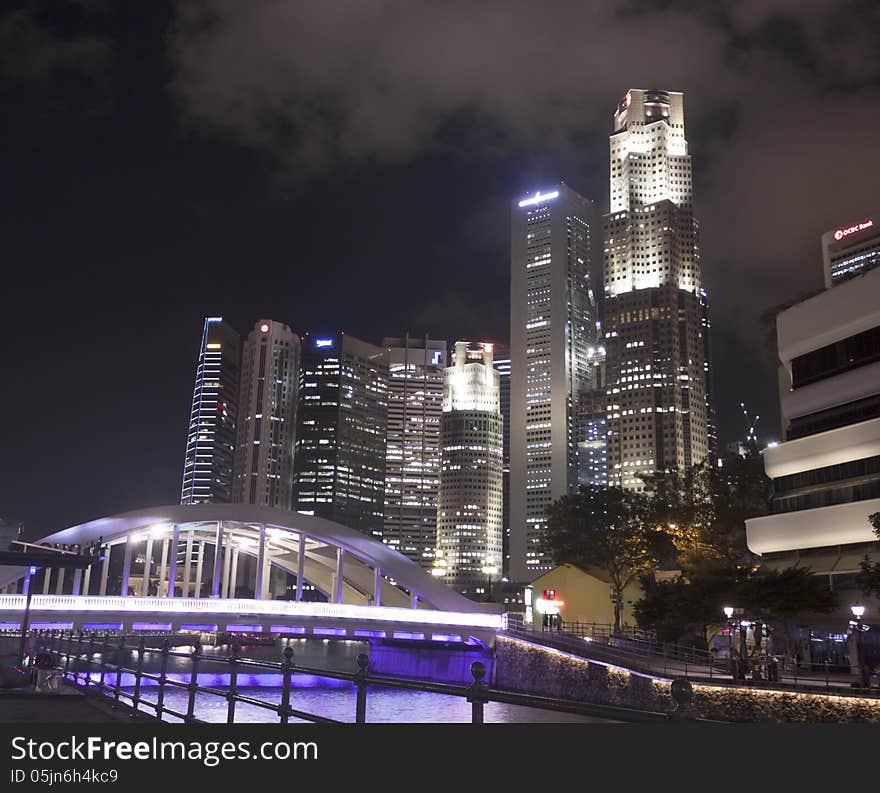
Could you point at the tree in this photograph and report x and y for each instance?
(868, 579)
(606, 528)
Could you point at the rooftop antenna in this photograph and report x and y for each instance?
(751, 423)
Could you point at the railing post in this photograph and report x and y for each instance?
(90, 654)
(118, 666)
(477, 692)
(163, 673)
(139, 671)
(195, 657)
(287, 671)
(67, 654)
(105, 650)
(233, 680)
(683, 695)
(360, 679)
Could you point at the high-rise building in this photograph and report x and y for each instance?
(501, 362)
(341, 429)
(826, 472)
(412, 452)
(655, 310)
(850, 250)
(592, 425)
(210, 443)
(552, 325)
(267, 416)
(469, 541)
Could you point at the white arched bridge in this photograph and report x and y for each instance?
(220, 567)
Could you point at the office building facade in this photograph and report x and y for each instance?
(656, 313)
(552, 325)
(826, 472)
(210, 442)
(469, 516)
(341, 432)
(412, 450)
(267, 416)
(592, 425)
(501, 362)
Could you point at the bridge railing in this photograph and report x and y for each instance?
(85, 660)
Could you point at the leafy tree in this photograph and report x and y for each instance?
(606, 528)
(869, 577)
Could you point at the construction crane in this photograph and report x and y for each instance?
(751, 423)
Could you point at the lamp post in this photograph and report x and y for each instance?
(743, 650)
(858, 627)
(728, 612)
(489, 571)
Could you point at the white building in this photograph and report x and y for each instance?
(552, 326)
(412, 450)
(655, 316)
(826, 472)
(267, 417)
(469, 516)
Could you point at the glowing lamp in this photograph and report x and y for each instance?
(728, 611)
(264, 328)
(858, 611)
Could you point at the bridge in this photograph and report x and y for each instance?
(232, 567)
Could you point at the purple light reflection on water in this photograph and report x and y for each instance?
(384, 705)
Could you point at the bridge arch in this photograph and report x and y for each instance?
(345, 565)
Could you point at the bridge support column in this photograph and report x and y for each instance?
(260, 583)
(377, 586)
(105, 569)
(414, 600)
(163, 566)
(218, 555)
(337, 582)
(300, 567)
(77, 581)
(126, 567)
(172, 565)
(59, 588)
(148, 563)
(87, 580)
(47, 577)
(227, 569)
(187, 563)
(200, 563)
(26, 584)
(233, 576)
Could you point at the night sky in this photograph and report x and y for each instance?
(350, 165)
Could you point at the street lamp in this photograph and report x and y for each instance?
(489, 571)
(859, 628)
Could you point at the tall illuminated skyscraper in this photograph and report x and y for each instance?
(469, 541)
(210, 443)
(341, 427)
(655, 309)
(412, 452)
(552, 325)
(267, 416)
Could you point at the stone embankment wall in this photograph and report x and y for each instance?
(526, 667)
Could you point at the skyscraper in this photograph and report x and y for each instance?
(851, 250)
(501, 362)
(552, 325)
(469, 541)
(412, 453)
(210, 443)
(341, 427)
(592, 425)
(657, 373)
(267, 416)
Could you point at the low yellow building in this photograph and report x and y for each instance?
(587, 595)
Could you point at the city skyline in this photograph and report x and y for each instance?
(163, 211)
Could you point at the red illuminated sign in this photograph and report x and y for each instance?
(841, 233)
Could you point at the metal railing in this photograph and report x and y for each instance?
(697, 666)
(84, 659)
